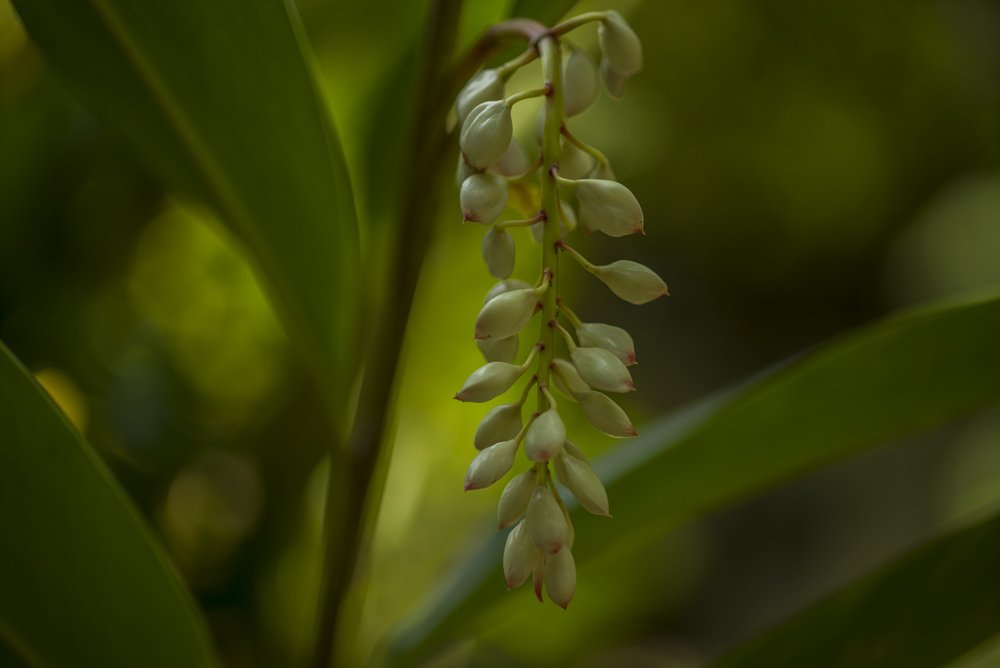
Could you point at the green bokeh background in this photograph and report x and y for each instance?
(804, 167)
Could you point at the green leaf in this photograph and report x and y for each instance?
(898, 377)
(922, 610)
(219, 96)
(84, 581)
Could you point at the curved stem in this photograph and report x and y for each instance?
(585, 147)
(570, 315)
(537, 218)
(577, 21)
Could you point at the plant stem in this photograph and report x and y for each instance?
(354, 495)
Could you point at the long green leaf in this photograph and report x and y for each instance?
(900, 376)
(220, 98)
(84, 582)
(920, 611)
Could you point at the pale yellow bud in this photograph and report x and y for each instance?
(581, 479)
(500, 424)
(605, 414)
(484, 86)
(621, 46)
(545, 436)
(520, 556)
(490, 465)
(573, 162)
(506, 314)
(579, 83)
(483, 197)
(560, 577)
(538, 577)
(614, 81)
(609, 337)
(489, 382)
(498, 252)
(486, 134)
(633, 282)
(546, 522)
(505, 286)
(514, 161)
(573, 383)
(602, 370)
(498, 350)
(609, 207)
(515, 497)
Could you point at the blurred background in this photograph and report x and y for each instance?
(804, 167)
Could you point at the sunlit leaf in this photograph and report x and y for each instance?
(921, 611)
(84, 582)
(897, 377)
(219, 97)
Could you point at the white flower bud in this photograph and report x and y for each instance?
(502, 423)
(573, 383)
(506, 314)
(483, 197)
(621, 46)
(505, 286)
(514, 161)
(490, 465)
(609, 337)
(546, 522)
(574, 163)
(614, 80)
(579, 83)
(486, 134)
(580, 478)
(520, 556)
(515, 497)
(631, 281)
(602, 370)
(484, 86)
(538, 578)
(498, 350)
(463, 171)
(609, 207)
(605, 415)
(489, 382)
(560, 577)
(498, 252)
(545, 436)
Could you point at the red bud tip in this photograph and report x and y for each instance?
(538, 592)
(470, 218)
(564, 606)
(633, 433)
(631, 360)
(479, 336)
(640, 230)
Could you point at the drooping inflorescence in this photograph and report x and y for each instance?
(575, 187)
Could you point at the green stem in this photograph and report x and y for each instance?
(585, 147)
(577, 21)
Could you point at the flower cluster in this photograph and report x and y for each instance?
(575, 188)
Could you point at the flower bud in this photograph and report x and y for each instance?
(505, 286)
(545, 436)
(538, 578)
(560, 577)
(515, 497)
(633, 282)
(490, 465)
(605, 415)
(498, 252)
(506, 314)
(609, 207)
(574, 163)
(614, 81)
(520, 556)
(484, 86)
(502, 423)
(602, 370)
(463, 171)
(489, 382)
(486, 134)
(621, 46)
(573, 383)
(498, 350)
(603, 172)
(514, 161)
(579, 83)
(609, 337)
(580, 478)
(483, 197)
(546, 522)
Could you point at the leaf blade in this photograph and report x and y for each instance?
(86, 583)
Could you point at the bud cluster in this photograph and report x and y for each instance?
(575, 187)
